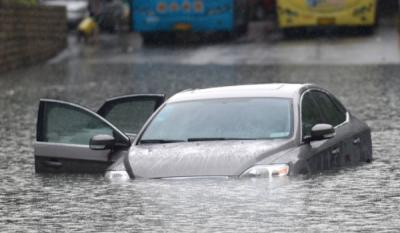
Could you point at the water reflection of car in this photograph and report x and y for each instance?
(76, 9)
(239, 131)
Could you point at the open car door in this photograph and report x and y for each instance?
(68, 134)
(129, 113)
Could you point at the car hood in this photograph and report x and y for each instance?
(218, 158)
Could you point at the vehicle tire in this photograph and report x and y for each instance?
(367, 30)
(244, 28)
(289, 32)
(150, 38)
(221, 36)
(259, 12)
(293, 33)
(370, 30)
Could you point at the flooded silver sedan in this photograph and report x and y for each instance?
(246, 131)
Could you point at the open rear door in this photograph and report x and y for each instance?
(129, 113)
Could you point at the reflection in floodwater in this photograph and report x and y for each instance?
(363, 198)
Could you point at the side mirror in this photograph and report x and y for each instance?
(101, 142)
(321, 132)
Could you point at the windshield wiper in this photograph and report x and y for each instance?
(216, 139)
(150, 141)
(161, 141)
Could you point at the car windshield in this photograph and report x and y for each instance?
(221, 119)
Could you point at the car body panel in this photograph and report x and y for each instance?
(68, 159)
(234, 157)
(211, 158)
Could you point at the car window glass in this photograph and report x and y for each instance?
(248, 118)
(310, 114)
(338, 105)
(66, 124)
(130, 116)
(331, 111)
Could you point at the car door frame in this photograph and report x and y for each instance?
(324, 154)
(345, 151)
(63, 157)
(103, 110)
(95, 160)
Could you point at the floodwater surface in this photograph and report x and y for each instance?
(364, 198)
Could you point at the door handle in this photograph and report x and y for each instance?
(53, 163)
(335, 151)
(356, 141)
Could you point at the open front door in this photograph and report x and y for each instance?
(129, 113)
(64, 131)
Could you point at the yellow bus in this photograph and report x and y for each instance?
(294, 14)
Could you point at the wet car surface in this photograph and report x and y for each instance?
(247, 131)
(352, 199)
(261, 130)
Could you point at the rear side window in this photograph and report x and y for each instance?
(334, 114)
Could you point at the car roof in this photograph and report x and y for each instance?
(272, 90)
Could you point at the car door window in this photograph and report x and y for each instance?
(310, 114)
(339, 106)
(120, 114)
(129, 113)
(66, 124)
(333, 114)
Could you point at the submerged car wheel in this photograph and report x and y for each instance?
(244, 28)
(367, 30)
(149, 38)
(290, 33)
